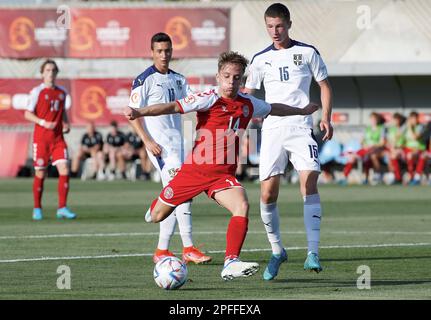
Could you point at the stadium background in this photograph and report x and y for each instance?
(378, 55)
(383, 65)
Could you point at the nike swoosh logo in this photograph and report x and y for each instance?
(187, 213)
(317, 217)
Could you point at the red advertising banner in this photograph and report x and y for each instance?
(99, 100)
(31, 33)
(14, 98)
(13, 152)
(114, 33)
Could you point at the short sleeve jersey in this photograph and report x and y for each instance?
(134, 140)
(48, 104)
(91, 141)
(116, 140)
(152, 87)
(286, 75)
(218, 123)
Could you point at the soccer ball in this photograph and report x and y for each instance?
(170, 273)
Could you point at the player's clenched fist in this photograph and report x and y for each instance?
(130, 113)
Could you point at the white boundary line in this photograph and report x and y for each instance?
(139, 234)
(383, 245)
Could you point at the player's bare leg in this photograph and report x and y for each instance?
(312, 217)
(158, 211)
(76, 162)
(271, 220)
(63, 211)
(235, 200)
(39, 178)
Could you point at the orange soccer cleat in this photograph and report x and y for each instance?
(193, 254)
(160, 254)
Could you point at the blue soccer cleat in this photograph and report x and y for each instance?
(414, 182)
(312, 263)
(37, 214)
(65, 213)
(276, 260)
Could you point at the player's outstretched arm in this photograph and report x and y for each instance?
(153, 110)
(279, 109)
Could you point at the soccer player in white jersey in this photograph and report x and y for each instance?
(159, 84)
(286, 69)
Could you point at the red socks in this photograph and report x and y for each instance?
(63, 189)
(348, 168)
(235, 236)
(37, 191)
(396, 168)
(421, 165)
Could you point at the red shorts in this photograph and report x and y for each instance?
(189, 182)
(44, 150)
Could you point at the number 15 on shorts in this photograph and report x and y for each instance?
(314, 153)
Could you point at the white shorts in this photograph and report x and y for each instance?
(279, 145)
(167, 164)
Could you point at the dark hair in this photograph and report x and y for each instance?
(414, 114)
(234, 58)
(114, 124)
(398, 116)
(160, 37)
(49, 61)
(278, 10)
(379, 118)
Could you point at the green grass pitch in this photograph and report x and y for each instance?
(109, 247)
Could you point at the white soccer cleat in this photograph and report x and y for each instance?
(148, 216)
(235, 268)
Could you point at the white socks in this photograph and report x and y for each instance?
(312, 218)
(184, 217)
(167, 227)
(271, 220)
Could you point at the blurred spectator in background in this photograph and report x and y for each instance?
(112, 149)
(415, 148)
(372, 152)
(91, 147)
(133, 149)
(396, 140)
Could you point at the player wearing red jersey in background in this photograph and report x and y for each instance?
(47, 110)
(211, 165)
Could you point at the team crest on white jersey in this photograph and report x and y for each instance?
(245, 110)
(169, 193)
(297, 59)
(189, 99)
(135, 97)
